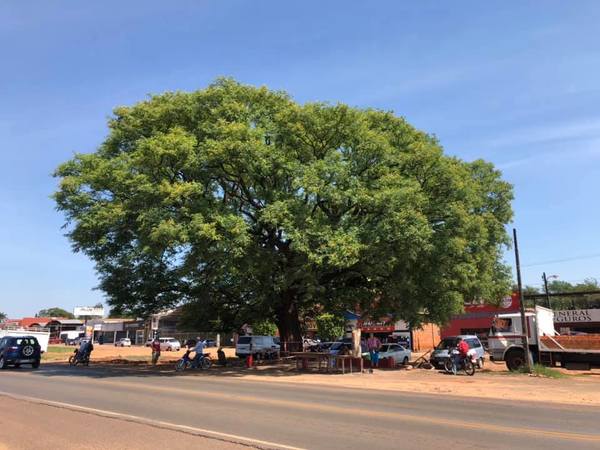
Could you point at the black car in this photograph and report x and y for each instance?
(17, 350)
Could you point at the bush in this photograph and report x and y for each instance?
(329, 326)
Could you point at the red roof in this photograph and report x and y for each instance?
(26, 322)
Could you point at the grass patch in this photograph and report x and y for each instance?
(56, 349)
(539, 370)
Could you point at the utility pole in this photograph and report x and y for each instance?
(546, 289)
(522, 304)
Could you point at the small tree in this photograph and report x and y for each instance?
(329, 326)
(2, 316)
(264, 328)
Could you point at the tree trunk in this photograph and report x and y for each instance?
(288, 323)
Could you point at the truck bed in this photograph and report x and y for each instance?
(572, 343)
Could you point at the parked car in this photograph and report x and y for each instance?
(400, 354)
(17, 350)
(149, 342)
(169, 344)
(255, 345)
(441, 352)
(210, 343)
(123, 342)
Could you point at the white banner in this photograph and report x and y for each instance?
(577, 315)
(89, 311)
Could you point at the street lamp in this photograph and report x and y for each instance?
(545, 278)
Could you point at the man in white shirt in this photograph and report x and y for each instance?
(199, 350)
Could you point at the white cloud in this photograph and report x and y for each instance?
(585, 129)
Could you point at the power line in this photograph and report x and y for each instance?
(574, 258)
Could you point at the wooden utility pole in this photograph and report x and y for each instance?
(522, 304)
(546, 290)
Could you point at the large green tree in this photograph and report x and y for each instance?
(243, 204)
(2, 316)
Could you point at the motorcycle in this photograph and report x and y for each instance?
(188, 363)
(467, 364)
(78, 358)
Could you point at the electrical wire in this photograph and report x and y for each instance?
(554, 261)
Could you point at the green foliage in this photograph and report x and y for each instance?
(55, 312)
(546, 372)
(330, 326)
(2, 316)
(246, 205)
(264, 328)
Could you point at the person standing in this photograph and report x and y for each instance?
(155, 351)
(373, 345)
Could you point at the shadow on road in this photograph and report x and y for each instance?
(110, 370)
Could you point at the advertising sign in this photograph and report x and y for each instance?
(577, 315)
(88, 311)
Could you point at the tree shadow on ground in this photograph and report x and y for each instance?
(108, 369)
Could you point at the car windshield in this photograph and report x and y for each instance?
(244, 340)
(446, 344)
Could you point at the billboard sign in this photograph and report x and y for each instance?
(577, 315)
(88, 311)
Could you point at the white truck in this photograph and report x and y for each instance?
(42, 336)
(505, 341)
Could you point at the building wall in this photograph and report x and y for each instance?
(425, 338)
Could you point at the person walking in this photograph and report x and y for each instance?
(373, 345)
(155, 351)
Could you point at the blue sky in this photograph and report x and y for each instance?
(515, 83)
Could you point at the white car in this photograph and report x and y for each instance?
(169, 344)
(123, 342)
(400, 354)
(255, 345)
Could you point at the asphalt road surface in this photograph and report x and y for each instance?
(290, 416)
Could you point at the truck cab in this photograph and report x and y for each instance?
(505, 341)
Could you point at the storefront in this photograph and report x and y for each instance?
(477, 319)
(400, 331)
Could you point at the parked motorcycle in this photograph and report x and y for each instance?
(467, 364)
(188, 363)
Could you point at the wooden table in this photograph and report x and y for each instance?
(304, 357)
(350, 359)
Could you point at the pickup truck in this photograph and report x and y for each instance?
(505, 341)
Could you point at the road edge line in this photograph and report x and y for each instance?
(194, 431)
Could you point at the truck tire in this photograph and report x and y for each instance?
(515, 359)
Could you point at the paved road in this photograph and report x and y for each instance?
(59, 428)
(310, 417)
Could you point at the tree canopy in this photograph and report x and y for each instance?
(55, 312)
(2, 316)
(244, 204)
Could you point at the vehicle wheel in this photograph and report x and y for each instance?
(206, 363)
(405, 361)
(180, 366)
(72, 360)
(515, 359)
(449, 366)
(2, 363)
(35, 365)
(469, 368)
(480, 363)
(17, 365)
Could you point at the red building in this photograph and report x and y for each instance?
(477, 319)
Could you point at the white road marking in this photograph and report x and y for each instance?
(156, 423)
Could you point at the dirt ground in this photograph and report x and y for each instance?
(108, 352)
